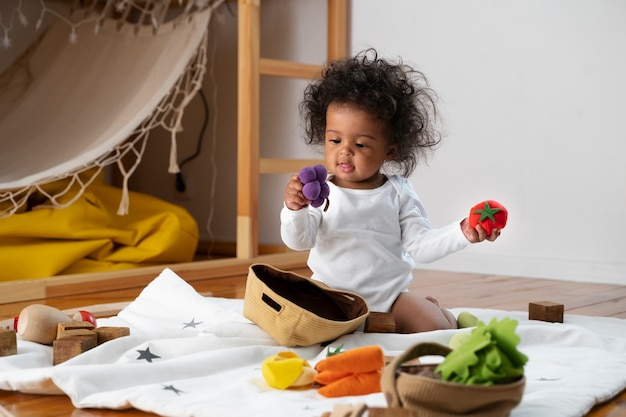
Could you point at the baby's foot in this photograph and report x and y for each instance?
(433, 300)
(447, 314)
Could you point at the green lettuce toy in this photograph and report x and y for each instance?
(487, 356)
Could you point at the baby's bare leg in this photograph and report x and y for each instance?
(415, 314)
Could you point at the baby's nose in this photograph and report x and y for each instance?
(346, 150)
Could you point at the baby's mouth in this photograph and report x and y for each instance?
(345, 167)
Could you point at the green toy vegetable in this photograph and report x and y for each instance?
(488, 356)
(334, 352)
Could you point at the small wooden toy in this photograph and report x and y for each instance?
(69, 347)
(75, 338)
(9, 324)
(69, 337)
(377, 322)
(546, 311)
(392, 412)
(346, 410)
(106, 333)
(82, 315)
(75, 328)
(38, 323)
(8, 342)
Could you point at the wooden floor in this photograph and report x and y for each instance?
(452, 290)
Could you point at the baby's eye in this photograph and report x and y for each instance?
(360, 145)
(335, 141)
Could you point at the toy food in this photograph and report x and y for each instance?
(489, 214)
(352, 372)
(354, 384)
(315, 186)
(287, 370)
(487, 355)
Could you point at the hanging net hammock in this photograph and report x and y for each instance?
(87, 94)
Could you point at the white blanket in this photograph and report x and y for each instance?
(190, 355)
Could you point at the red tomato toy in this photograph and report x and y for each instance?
(489, 214)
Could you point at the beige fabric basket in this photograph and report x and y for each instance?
(431, 397)
(299, 311)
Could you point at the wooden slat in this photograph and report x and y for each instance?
(285, 166)
(77, 284)
(248, 127)
(250, 67)
(278, 68)
(337, 43)
(21, 290)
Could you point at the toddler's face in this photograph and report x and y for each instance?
(356, 147)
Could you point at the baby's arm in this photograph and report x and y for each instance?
(298, 228)
(294, 199)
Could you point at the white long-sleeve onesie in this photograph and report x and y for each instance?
(368, 240)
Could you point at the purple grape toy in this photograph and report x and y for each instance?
(315, 186)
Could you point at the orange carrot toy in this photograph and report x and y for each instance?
(353, 372)
(328, 377)
(355, 384)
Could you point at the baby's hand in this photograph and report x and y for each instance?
(294, 199)
(477, 234)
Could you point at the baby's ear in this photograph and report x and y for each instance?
(391, 152)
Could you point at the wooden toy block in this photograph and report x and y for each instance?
(64, 329)
(346, 410)
(372, 412)
(80, 333)
(69, 347)
(75, 329)
(546, 311)
(105, 334)
(380, 323)
(8, 342)
(392, 412)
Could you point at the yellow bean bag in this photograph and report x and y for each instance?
(89, 236)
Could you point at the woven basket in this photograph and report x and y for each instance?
(410, 386)
(299, 311)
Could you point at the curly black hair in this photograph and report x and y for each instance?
(394, 92)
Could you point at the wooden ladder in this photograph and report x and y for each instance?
(250, 68)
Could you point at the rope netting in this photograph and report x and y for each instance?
(125, 68)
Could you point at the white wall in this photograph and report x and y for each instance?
(533, 100)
